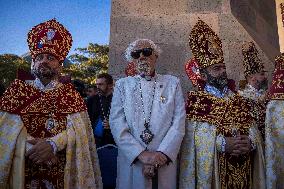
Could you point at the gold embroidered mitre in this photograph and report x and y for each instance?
(205, 45)
(252, 62)
(50, 37)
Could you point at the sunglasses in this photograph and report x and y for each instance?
(146, 52)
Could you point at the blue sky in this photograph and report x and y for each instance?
(87, 20)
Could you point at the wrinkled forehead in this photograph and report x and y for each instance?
(142, 44)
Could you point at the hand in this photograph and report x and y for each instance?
(146, 157)
(106, 124)
(243, 145)
(238, 145)
(148, 171)
(41, 152)
(159, 159)
(231, 143)
(53, 161)
(156, 159)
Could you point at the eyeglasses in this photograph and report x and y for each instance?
(146, 52)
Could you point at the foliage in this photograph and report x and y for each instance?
(85, 64)
(88, 62)
(9, 64)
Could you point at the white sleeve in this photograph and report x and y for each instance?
(126, 142)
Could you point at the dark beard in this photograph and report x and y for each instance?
(263, 84)
(44, 72)
(219, 82)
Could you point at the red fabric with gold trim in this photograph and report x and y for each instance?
(277, 87)
(35, 106)
(17, 96)
(222, 113)
(130, 70)
(21, 95)
(50, 37)
(192, 71)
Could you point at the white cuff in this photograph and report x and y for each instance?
(53, 145)
(252, 142)
(221, 143)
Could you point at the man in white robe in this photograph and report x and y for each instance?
(147, 122)
(274, 130)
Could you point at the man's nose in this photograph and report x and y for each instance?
(142, 57)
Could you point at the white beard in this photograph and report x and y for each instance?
(143, 67)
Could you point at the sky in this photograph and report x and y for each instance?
(87, 20)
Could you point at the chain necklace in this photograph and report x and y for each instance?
(51, 122)
(146, 135)
(105, 117)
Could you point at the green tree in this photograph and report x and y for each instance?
(9, 64)
(88, 62)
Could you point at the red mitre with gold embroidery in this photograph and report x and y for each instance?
(130, 70)
(50, 37)
(277, 88)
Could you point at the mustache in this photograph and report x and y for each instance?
(44, 71)
(219, 82)
(263, 84)
(45, 66)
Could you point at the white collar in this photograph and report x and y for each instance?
(51, 85)
(147, 78)
(251, 88)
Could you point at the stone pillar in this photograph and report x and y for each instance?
(169, 22)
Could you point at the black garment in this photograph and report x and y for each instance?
(95, 112)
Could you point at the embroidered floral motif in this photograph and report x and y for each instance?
(224, 114)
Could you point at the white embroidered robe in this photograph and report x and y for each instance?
(166, 123)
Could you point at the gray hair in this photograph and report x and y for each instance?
(127, 54)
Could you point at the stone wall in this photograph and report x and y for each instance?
(169, 22)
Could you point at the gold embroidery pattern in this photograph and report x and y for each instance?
(235, 173)
(19, 94)
(205, 45)
(252, 62)
(40, 40)
(225, 114)
(36, 176)
(277, 89)
(35, 106)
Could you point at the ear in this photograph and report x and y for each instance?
(60, 67)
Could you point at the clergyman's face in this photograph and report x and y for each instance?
(261, 80)
(145, 63)
(216, 76)
(46, 66)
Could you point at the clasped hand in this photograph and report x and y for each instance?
(151, 162)
(41, 152)
(238, 145)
